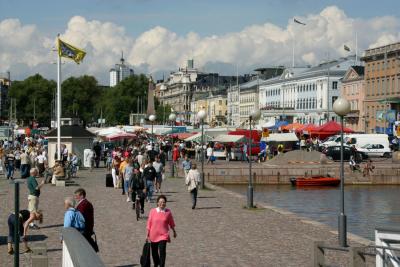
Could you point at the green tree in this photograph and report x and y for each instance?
(80, 97)
(33, 97)
(119, 101)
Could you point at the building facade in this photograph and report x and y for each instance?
(248, 99)
(120, 72)
(303, 95)
(352, 89)
(187, 84)
(382, 87)
(215, 107)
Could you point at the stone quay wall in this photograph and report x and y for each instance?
(270, 174)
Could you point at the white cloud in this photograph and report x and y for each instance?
(160, 49)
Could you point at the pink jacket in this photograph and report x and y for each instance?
(158, 225)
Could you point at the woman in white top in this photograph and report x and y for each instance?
(192, 181)
(210, 153)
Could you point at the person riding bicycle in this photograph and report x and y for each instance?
(137, 188)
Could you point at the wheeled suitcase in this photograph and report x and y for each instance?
(109, 180)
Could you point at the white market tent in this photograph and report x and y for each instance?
(197, 138)
(281, 137)
(109, 131)
(226, 138)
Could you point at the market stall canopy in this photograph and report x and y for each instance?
(332, 127)
(182, 136)
(307, 128)
(227, 138)
(108, 131)
(255, 134)
(120, 136)
(281, 137)
(268, 124)
(197, 138)
(133, 129)
(278, 124)
(292, 126)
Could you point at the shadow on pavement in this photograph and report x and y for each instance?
(129, 265)
(33, 238)
(206, 197)
(51, 226)
(54, 249)
(208, 208)
(3, 240)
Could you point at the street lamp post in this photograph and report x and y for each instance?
(172, 118)
(255, 115)
(201, 115)
(342, 107)
(152, 118)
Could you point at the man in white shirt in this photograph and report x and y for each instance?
(40, 159)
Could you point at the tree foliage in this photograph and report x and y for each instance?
(82, 97)
(79, 98)
(33, 91)
(119, 101)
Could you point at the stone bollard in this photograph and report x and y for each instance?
(323, 159)
(356, 257)
(317, 254)
(39, 255)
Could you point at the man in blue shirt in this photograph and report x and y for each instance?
(72, 217)
(186, 165)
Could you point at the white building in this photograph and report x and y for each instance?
(302, 94)
(120, 72)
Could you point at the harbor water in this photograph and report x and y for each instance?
(366, 206)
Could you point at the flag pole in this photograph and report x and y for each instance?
(58, 101)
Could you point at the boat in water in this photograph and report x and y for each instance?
(315, 181)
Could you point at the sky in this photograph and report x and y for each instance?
(158, 36)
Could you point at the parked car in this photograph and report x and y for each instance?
(333, 152)
(376, 150)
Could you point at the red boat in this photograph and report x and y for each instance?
(315, 181)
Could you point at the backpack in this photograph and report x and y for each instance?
(79, 221)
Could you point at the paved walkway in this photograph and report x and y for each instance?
(220, 232)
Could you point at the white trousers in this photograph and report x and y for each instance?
(114, 176)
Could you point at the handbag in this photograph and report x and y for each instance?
(145, 257)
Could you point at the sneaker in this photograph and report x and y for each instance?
(128, 200)
(10, 251)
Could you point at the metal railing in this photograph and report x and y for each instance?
(385, 255)
(77, 252)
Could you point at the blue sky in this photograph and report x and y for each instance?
(158, 36)
(206, 17)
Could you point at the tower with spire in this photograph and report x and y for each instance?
(120, 72)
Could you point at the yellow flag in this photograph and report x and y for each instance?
(71, 52)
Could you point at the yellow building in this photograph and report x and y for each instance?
(216, 109)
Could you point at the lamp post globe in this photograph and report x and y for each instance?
(201, 114)
(341, 106)
(255, 114)
(172, 117)
(152, 118)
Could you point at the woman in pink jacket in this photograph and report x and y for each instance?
(158, 225)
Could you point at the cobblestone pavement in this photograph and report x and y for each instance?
(220, 232)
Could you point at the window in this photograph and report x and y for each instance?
(220, 102)
(334, 85)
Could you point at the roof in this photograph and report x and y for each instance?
(71, 131)
(359, 70)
